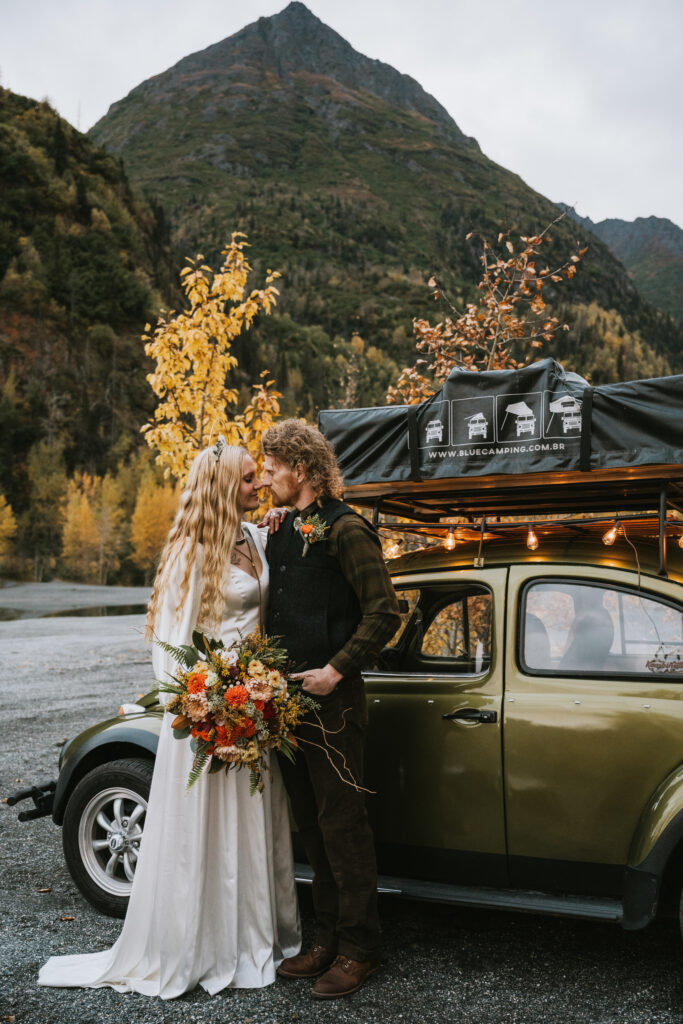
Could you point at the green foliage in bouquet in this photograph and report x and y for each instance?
(235, 704)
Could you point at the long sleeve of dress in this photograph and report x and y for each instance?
(170, 626)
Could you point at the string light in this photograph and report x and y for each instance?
(611, 535)
(531, 540)
(680, 540)
(449, 542)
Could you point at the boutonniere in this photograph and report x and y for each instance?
(312, 529)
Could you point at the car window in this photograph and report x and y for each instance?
(407, 600)
(445, 629)
(578, 628)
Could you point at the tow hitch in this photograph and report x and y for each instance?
(42, 795)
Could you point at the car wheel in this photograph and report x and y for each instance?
(103, 825)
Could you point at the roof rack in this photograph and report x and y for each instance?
(643, 499)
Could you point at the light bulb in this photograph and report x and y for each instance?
(611, 535)
(531, 540)
(449, 542)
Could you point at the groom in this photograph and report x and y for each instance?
(332, 602)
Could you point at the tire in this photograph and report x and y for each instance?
(103, 825)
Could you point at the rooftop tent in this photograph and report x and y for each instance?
(565, 404)
(539, 419)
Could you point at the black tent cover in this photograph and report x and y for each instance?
(538, 419)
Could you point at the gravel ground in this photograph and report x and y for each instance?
(440, 964)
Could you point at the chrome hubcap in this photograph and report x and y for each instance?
(109, 837)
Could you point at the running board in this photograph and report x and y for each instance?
(520, 900)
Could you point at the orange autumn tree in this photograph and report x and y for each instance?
(503, 329)
(194, 363)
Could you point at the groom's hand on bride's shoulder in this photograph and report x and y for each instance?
(273, 518)
(318, 681)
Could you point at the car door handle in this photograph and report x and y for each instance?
(473, 715)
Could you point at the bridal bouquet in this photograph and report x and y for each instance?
(234, 703)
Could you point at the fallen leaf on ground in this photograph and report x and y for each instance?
(67, 918)
(44, 890)
(10, 1018)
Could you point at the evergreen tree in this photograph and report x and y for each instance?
(41, 524)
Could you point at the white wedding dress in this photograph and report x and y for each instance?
(213, 901)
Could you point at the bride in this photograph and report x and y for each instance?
(213, 902)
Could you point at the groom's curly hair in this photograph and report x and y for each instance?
(295, 443)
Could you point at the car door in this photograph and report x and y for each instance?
(592, 719)
(433, 751)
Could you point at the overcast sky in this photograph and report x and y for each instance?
(582, 98)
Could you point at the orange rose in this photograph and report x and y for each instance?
(196, 682)
(259, 705)
(236, 696)
(306, 529)
(247, 728)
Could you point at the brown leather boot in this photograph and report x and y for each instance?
(344, 977)
(310, 964)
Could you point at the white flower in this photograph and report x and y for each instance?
(231, 753)
(228, 658)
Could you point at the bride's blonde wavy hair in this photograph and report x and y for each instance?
(209, 514)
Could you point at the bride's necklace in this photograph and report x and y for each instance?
(246, 552)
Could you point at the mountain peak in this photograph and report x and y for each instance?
(295, 50)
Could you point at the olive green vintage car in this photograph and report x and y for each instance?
(525, 739)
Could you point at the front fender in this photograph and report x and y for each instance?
(117, 737)
(659, 833)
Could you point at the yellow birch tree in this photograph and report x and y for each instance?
(80, 542)
(8, 527)
(194, 361)
(154, 511)
(109, 519)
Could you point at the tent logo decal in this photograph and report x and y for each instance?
(519, 418)
(487, 425)
(477, 426)
(525, 421)
(434, 431)
(564, 415)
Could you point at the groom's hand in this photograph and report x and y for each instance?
(320, 681)
(273, 518)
